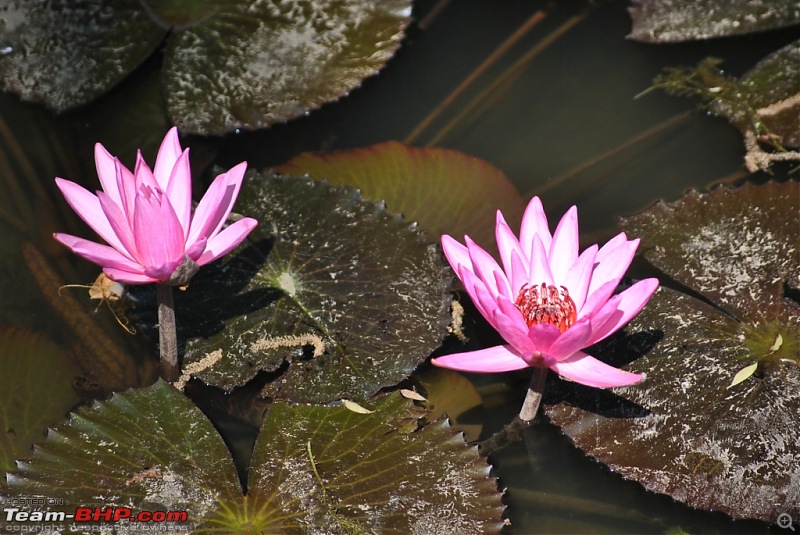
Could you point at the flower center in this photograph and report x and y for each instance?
(546, 304)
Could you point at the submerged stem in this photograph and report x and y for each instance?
(167, 334)
(513, 432)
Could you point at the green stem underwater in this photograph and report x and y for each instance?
(167, 334)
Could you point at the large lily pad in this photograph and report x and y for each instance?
(420, 184)
(229, 65)
(314, 470)
(687, 430)
(335, 296)
(68, 53)
(30, 400)
(683, 20)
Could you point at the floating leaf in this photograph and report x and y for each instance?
(683, 20)
(239, 64)
(338, 471)
(314, 469)
(683, 431)
(355, 407)
(336, 296)
(68, 53)
(443, 190)
(30, 400)
(274, 61)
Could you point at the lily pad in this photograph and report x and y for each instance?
(314, 470)
(682, 20)
(686, 430)
(239, 64)
(420, 184)
(30, 400)
(68, 53)
(335, 296)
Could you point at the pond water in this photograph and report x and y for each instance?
(565, 125)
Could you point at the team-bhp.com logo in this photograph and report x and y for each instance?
(92, 515)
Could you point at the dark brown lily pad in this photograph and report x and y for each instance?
(687, 430)
(683, 20)
(333, 295)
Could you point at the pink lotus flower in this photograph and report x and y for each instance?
(548, 302)
(146, 217)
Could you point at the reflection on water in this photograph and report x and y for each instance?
(565, 126)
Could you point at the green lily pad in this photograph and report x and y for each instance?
(420, 184)
(686, 430)
(682, 20)
(30, 400)
(315, 469)
(334, 296)
(271, 61)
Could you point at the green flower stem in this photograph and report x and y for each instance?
(167, 334)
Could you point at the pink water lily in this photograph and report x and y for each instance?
(147, 220)
(548, 301)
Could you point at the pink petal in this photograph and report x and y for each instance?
(507, 244)
(579, 277)
(540, 267)
(456, 253)
(144, 175)
(127, 277)
(107, 173)
(543, 335)
(126, 183)
(534, 223)
(508, 321)
(490, 360)
(227, 240)
(88, 208)
(100, 254)
(483, 300)
(216, 204)
(167, 157)
(519, 275)
(610, 245)
(158, 234)
(570, 341)
(485, 267)
(119, 224)
(606, 276)
(628, 303)
(587, 370)
(179, 191)
(564, 248)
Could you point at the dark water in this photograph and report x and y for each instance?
(566, 126)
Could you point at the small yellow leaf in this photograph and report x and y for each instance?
(412, 394)
(743, 374)
(777, 345)
(355, 407)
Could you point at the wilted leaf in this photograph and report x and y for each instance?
(30, 400)
(314, 469)
(744, 374)
(683, 431)
(336, 297)
(683, 20)
(443, 190)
